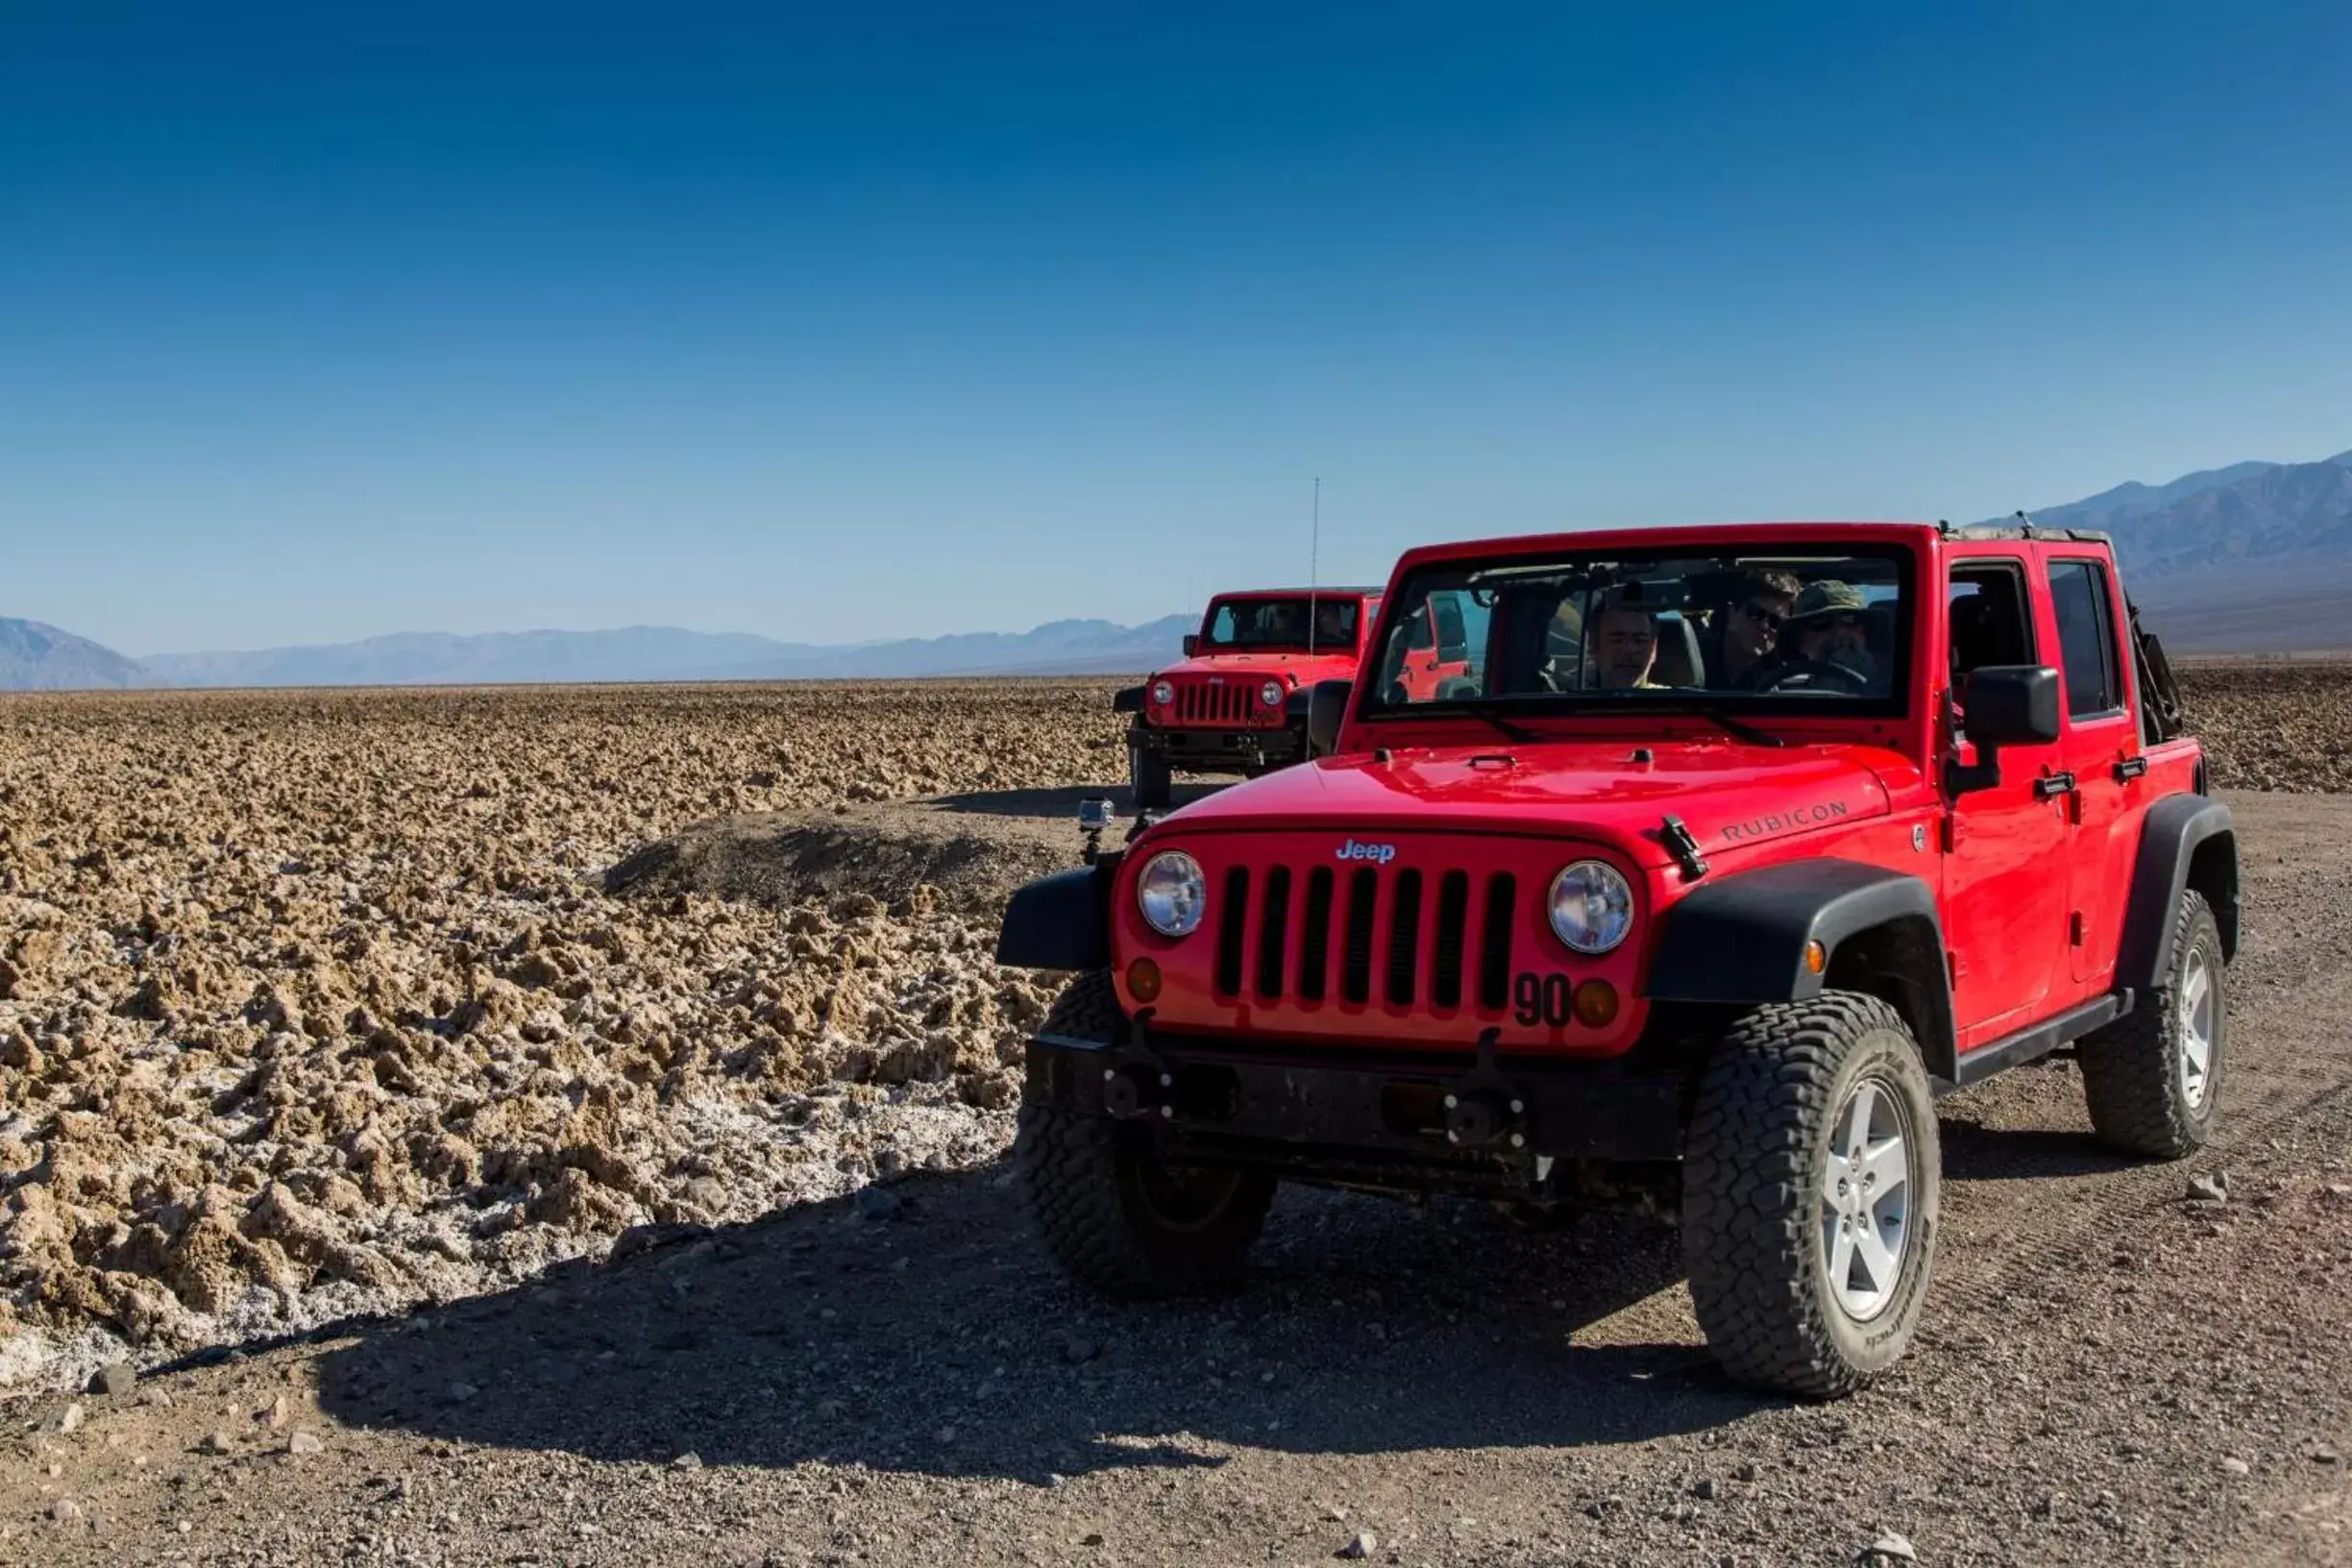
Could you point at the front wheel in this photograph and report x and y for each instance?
(1150, 780)
(1114, 1215)
(1811, 1183)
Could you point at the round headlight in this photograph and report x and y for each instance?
(1591, 906)
(1163, 694)
(1270, 694)
(1171, 894)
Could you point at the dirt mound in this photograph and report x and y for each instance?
(961, 853)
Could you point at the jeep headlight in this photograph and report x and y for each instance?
(1591, 906)
(1171, 894)
(1270, 694)
(1163, 694)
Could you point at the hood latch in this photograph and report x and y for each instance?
(1677, 838)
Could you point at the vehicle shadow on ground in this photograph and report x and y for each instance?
(1061, 804)
(938, 1340)
(1976, 1153)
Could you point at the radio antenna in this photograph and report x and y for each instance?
(1315, 548)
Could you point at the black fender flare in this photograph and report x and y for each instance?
(1741, 941)
(2181, 837)
(1127, 699)
(1061, 922)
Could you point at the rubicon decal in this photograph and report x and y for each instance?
(1776, 822)
(1378, 854)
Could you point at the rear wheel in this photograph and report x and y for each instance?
(1149, 778)
(1115, 1216)
(1811, 1185)
(2151, 1076)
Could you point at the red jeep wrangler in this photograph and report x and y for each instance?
(1239, 701)
(1733, 848)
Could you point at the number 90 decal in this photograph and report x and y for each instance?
(1542, 998)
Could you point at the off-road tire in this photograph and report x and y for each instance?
(2132, 1068)
(1150, 780)
(1754, 1162)
(1089, 1184)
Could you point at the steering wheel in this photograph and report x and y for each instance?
(1804, 673)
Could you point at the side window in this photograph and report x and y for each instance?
(1452, 643)
(1417, 638)
(2086, 638)
(1989, 623)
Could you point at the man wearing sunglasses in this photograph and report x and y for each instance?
(1748, 631)
(1830, 631)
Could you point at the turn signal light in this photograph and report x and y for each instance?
(1143, 980)
(1596, 1004)
(1817, 958)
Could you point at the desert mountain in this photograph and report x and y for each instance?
(671, 653)
(39, 657)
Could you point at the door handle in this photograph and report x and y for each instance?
(2053, 785)
(2129, 768)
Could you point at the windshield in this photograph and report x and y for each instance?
(1251, 624)
(1756, 629)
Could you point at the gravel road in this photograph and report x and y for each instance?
(2110, 1372)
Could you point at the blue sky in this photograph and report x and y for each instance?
(889, 320)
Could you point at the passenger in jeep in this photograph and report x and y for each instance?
(1747, 631)
(1625, 646)
(1829, 641)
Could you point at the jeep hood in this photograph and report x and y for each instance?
(1729, 796)
(1300, 667)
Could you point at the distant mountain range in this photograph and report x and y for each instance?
(669, 654)
(2253, 557)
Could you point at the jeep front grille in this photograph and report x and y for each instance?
(1397, 947)
(1230, 702)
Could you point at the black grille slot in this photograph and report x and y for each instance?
(1273, 927)
(1355, 982)
(1230, 922)
(1494, 961)
(1314, 935)
(1446, 964)
(1405, 938)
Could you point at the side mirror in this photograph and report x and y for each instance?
(2011, 704)
(2002, 704)
(1191, 644)
(1325, 709)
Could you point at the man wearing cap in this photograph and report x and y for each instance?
(1826, 644)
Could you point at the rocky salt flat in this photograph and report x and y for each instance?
(314, 1005)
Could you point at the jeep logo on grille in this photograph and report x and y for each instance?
(1383, 853)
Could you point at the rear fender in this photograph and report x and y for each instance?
(2186, 841)
(1741, 942)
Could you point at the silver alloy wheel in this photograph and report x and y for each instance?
(2196, 1029)
(1866, 1199)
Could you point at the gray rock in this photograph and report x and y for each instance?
(1746, 1471)
(66, 1511)
(1078, 1349)
(2214, 1188)
(305, 1442)
(215, 1443)
(115, 1380)
(461, 1391)
(688, 1460)
(1362, 1546)
(2237, 1466)
(877, 1204)
(1704, 1492)
(1888, 1548)
(69, 1418)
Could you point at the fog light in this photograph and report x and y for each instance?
(1143, 982)
(1596, 1004)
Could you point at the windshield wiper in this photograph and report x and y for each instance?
(1739, 729)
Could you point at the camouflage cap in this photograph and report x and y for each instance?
(1829, 596)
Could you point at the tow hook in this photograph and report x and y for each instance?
(1136, 1083)
(1482, 1109)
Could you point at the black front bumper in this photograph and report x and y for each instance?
(1368, 1116)
(1211, 751)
